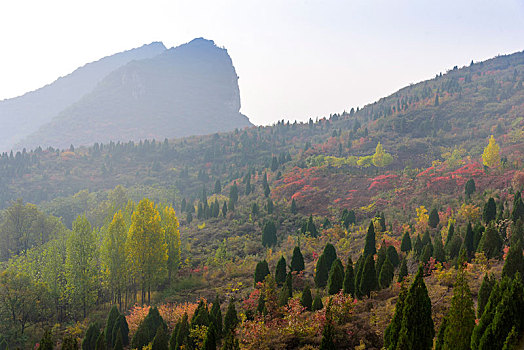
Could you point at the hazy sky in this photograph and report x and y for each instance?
(295, 58)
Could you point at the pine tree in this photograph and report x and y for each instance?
(405, 246)
(261, 271)
(280, 271)
(336, 277)
(317, 303)
(306, 300)
(393, 256)
(293, 206)
(269, 234)
(426, 253)
(512, 339)
(451, 233)
(210, 342)
(110, 323)
(518, 210)
(392, 332)
(101, 343)
(311, 228)
(218, 186)
(147, 330)
(119, 344)
(439, 341)
(403, 271)
(161, 340)
(417, 329)
(233, 196)
(349, 279)
(461, 316)
(182, 336)
(230, 342)
(438, 249)
(328, 335)
(381, 257)
(484, 292)
(514, 262)
(321, 275)
(230, 320)
(418, 246)
(359, 267)
(92, 334)
(369, 281)
(434, 218)
(369, 247)
(224, 209)
(297, 261)
(265, 185)
(121, 327)
(386, 274)
(490, 211)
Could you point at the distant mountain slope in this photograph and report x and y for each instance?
(188, 90)
(20, 116)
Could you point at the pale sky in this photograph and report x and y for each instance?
(296, 59)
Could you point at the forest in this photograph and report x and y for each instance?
(398, 225)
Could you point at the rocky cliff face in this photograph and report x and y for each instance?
(188, 90)
(23, 115)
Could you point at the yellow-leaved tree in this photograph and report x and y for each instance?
(422, 219)
(381, 158)
(491, 154)
(114, 256)
(172, 237)
(146, 246)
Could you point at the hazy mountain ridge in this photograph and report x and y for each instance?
(22, 115)
(188, 90)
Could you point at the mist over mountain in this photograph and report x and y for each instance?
(23, 115)
(188, 90)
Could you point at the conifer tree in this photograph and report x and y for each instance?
(311, 228)
(392, 332)
(393, 256)
(403, 271)
(69, 342)
(265, 185)
(230, 342)
(121, 327)
(349, 279)
(434, 218)
(293, 206)
(224, 209)
(328, 335)
(518, 210)
(469, 240)
(381, 257)
(306, 300)
(321, 275)
(451, 233)
(490, 211)
(369, 247)
(491, 243)
(161, 340)
(182, 335)
(269, 234)
(331, 255)
(386, 274)
(261, 271)
(369, 281)
(461, 316)
(218, 186)
(469, 188)
(336, 277)
(101, 343)
(317, 303)
(297, 261)
(92, 334)
(119, 345)
(147, 330)
(359, 267)
(514, 262)
(418, 247)
(210, 342)
(405, 246)
(485, 290)
(233, 196)
(439, 341)
(417, 329)
(231, 319)
(280, 271)
(110, 323)
(438, 249)
(512, 339)
(201, 315)
(216, 318)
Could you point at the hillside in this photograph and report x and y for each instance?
(325, 232)
(187, 90)
(23, 115)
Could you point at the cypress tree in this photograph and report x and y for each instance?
(231, 319)
(491, 243)
(393, 256)
(403, 271)
(369, 246)
(121, 327)
(461, 316)
(478, 232)
(306, 300)
(110, 323)
(469, 188)
(451, 233)
(386, 274)
(438, 249)
(233, 196)
(369, 281)
(349, 279)
(434, 218)
(172, 339)
(293, 206)
(89, 341)
(261, 271)
(418, 246)
(469, 240)
(484, 292)
(359, 267)
(331, 255)
(381, 257)
(230, 342)
(321, 275)
(216, 318)
(317, 303)
(405, 246)
(218, 186)
(101, 343)
(490, 211)
(160, 341)
(269, 234)
(284, 296)
(289, 282)
(514, 262)
(119, 345)
(328, 334)
(439, 342)
(512, 339)
(201, 315)
(210, 342)
(224, 209)
(311, 228)
(147, 330)
(426, 239)
(417, 329)
(392, 332)
(426, 254)
(518, 210)
(297, 261)
(280, 271)
(182, 336)
(265, 185)
(336, 277)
